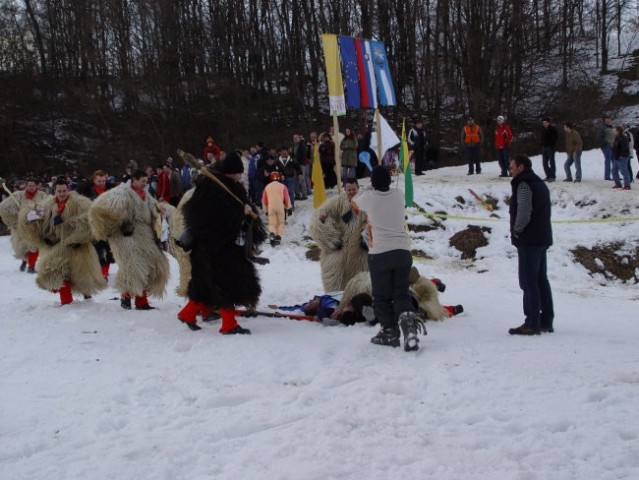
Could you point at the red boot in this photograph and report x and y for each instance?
(142, 302)
(66, 296)
(230, 325)
(189, 313)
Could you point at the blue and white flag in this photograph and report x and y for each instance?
(386, 92)
(349, 71)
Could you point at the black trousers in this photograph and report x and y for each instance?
(389, 279)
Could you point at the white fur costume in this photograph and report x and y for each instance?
(142, 265)
(340, 242)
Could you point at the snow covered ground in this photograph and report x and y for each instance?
(90, 391)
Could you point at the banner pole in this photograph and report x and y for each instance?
(338, 153)
(379, 136)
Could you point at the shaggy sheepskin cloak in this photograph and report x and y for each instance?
(133, 228)
(9, 211)
(221, 273)
(342, 255)
(66, 249)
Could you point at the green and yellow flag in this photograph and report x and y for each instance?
(405, 162)
(336, 100)
(319, 192)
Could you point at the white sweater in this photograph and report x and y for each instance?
(385, 211)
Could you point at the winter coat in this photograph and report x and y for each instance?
(290, 167)
(538, 231)
(503, 136)
(10, 211)
(66, 249)
(349, 151)
(327, 153)
(163, 192)
(133, 227)
(573, 142)
(549, 136)
(621, 147)
(264, 172)
(343, 253)
(417, 139)
(175, 181)
(222, 275)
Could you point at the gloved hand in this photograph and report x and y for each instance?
(126, 229)
(347, 216)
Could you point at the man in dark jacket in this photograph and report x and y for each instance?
(549, 136)
(217, 218)
(531, 233)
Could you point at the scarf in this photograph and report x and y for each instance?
(141, 193)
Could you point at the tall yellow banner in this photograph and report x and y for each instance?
(336, 100)
(319, 192)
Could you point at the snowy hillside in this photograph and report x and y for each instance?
(91, 391)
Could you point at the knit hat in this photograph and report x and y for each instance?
(500, 118)
(209, 139)
(380, 178)
(233, 163)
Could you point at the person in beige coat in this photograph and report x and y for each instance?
(59, 228)
(10, 208)
(337, 230)
(574, 146)
(130, 219)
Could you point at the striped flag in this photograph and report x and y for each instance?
(349, 71)
(336, 99)
(404, 159)
(386, 92)
(367, 84)
(317, 176)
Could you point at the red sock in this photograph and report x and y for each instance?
(32, 259)
(450, 310)
(141, 300)
(228, 320)
(189, 312)
(105, 270)
(65, 293)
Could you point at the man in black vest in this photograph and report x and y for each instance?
(531, 233)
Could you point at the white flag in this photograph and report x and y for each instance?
(389, 138)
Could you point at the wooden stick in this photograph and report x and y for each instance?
(6, 189)
(190, 159)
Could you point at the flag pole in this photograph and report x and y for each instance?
(338, 153)
(379, 136)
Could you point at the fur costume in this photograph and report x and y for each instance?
(342, 255)
(176, 227)
(9, 212)
(221, 273)
(66, 251)
(142, 266)
(422, 289)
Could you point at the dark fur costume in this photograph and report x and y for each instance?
(221, 273)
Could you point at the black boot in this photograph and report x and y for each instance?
(239, 330)
(23, 266)
(31, 270)
(125, 302)
(388, 336)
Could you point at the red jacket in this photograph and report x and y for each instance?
(214, 149)
(163, 192)
(503, 136)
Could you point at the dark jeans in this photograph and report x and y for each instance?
(419, 156)
(389, 279)
(538, 305)
(548, 159)
(504, 160)
(473, 154)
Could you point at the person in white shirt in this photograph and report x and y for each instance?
(389, 261)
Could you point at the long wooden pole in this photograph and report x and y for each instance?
(338, 153)
(379, 136)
